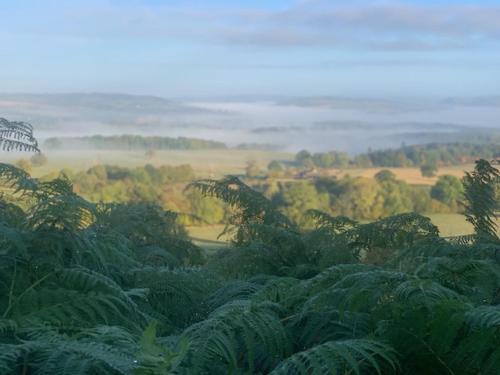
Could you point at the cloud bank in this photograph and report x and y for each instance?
(373, 25)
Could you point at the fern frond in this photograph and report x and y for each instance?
(154, 358)
(481, 200)
(233, 290)
(337, 224)
(251, 206)
(176, 297)
(332, 275)
(369, 291)
(77, 298)
(395, 231)
(341, 357)
(17, 179)
(477, 279)
(17, 136)
(61, 355)
(238, 335)
(484, 317)
(59, 207)
(9, 357)
(424, 292)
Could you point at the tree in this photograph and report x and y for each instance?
(39, 160)
(299, 197)
(323, 160)
(448, 190)
(252, 169)
(304, 159)
(385, 175)
(428, 169)
(360, 198)
(275, 166)
(397, 196)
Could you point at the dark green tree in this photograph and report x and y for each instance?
(448, 190)
(481, 199)
(429, 169)
(275, 166)
(385, 175)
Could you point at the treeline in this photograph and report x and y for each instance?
(131, 142)
(439, 154)
(365, 198)
(358, 197)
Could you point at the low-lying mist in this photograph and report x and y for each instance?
(289, 124)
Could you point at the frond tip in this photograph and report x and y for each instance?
(17, 136)
(341, 357)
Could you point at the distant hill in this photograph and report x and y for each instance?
(101, 102)
(72, 109)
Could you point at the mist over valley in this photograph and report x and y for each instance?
(287, 124)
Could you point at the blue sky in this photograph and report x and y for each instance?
(188, 48)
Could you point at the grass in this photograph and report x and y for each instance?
(207, 237)
(448, 224)
(454, 224)
(206, 163)
(411, 176)
(451, 224)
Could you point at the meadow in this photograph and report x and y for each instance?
(411, 176)
(449, 225)
(211, 163)
(206, 163)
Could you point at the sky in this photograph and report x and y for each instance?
(203, 48)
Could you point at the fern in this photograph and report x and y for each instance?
(154, 358)
(481, 200)
(341, 357)
(17, 136)
(337, 224)
(238, 335)
(484, 317)
(251, 207)
(120, 289)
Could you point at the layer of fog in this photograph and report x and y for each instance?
(317, 124)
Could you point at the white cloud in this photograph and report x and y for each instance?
(310, 23)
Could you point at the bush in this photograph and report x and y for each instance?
(428, 169)
(38, 160)
(448, 190)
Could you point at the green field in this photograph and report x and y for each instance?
(207, 236)
(449, 225)
(206, 163)
(209, 163)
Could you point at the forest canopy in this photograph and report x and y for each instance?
(441, 154)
